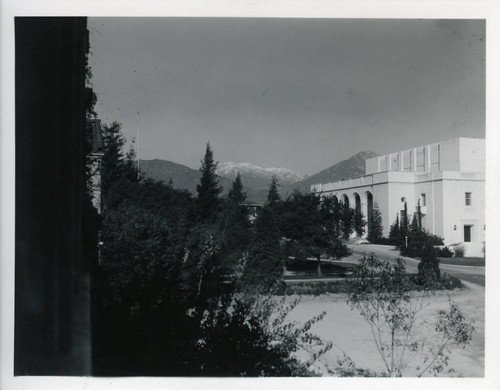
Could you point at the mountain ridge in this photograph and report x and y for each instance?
(255, 179)
(353, 166)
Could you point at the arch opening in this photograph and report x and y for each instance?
(369, 212)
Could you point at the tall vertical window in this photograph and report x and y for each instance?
(468, 199)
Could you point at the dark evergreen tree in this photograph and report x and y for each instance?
(375, 230)
(264, 267)
(234, 222)
(312, 227)
(359, 222)
(273, 196)
(208, 200)
(414, 224)
(419, 215)
(428, 268)
(394, 233)
(404, 221)
(347, 219)
(236, 194)
(116, 165)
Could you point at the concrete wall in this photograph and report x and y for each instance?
(457, 214)
(443, 171)
(472, 155)
(457, 154)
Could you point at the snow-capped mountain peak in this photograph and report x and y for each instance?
(250, 171)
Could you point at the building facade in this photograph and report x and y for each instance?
(447, 180)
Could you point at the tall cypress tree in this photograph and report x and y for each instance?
(273, 195)
(236, 194)
(375, 231)
(208, 200)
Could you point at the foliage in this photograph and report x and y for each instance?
(208, 200)
(234, 343)
(405, 223)
(428, 268)
(359, 222)
(273, 196)
(165, 300)
(236, 194)
(375, 229)
(417, 240)
(382, 293)
(264, 264)
(394, 233)
(312, 227)
(347, 219)
(459, 251)
(315, 288)
(290, 336)
(443, 252)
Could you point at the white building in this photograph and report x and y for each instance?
(447, 178)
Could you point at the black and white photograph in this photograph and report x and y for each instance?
(215, 197)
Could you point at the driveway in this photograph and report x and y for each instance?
(470, 274)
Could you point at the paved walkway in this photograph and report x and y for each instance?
(470, 274)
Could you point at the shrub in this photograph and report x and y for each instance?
(417, 239)
(459, 251)
(428, 268)
(314, 288)
(443, 252)
(382, 293)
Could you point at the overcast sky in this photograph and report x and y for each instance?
(296, 93)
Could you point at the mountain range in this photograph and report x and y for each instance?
(255, 179)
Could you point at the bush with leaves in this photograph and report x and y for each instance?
(382, 292)
(417, 240)
(312, 227)
(375, 228)
(359, 222)
(428, 268)
(264, 263)
(165, 299)
(443, 252)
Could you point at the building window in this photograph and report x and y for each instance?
(468, 199)
(467, 233)
(423, 201)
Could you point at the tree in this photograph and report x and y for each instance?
(428, 268)
(417, 240)
(273, 195)
(403, 229)
(236, 194)
(394, 232)
(419, 215)
(382, 292)
(264, 265)
(312, 227)
(117, 166)
(208, 189)
(359, 222)
(347, 219)
(414, 226)
(375, 230)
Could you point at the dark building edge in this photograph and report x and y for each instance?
(50, 111)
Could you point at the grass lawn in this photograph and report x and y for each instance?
(470, 261)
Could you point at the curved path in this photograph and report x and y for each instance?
(470, 274)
